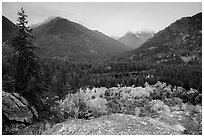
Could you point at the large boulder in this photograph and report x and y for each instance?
(17, 108)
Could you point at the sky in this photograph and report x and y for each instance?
(112, 19)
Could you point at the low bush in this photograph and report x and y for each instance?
(98, 107)
(193, 123)
(147, 111)
(114, 105)
(79, 106)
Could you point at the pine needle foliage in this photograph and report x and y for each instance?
(28, 74)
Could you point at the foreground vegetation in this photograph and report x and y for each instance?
(151, 101)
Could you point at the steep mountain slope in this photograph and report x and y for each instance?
(9, 30)
(131, 40)
(63, 39)
(181, 42)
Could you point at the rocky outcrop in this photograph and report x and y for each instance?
(115, 124)
(17, 108)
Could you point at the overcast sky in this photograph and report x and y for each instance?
(112, 19)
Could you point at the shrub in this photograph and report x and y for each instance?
(84, 104)
(99, 105)
(192, 120)
(139, 92)
(73, 105)
(159, 106)
(114, 105)
(173, 101)
(147, 111)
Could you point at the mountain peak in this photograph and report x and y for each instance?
(131, 40)
(55, 18)
(49, 19)
(130, 34)
(134, 40)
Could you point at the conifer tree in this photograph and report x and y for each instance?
(28, 77)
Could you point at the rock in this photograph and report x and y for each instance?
(115, 124)
(33, 109)
(23, 100)
(17, 108)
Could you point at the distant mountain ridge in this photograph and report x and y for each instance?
(131, 40)
(62, 39)
(134, 40)
(180, 42)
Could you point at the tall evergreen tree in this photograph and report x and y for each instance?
(28, 77)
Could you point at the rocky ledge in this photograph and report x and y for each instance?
(17, 108)
(16, 113)
(116, 124)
